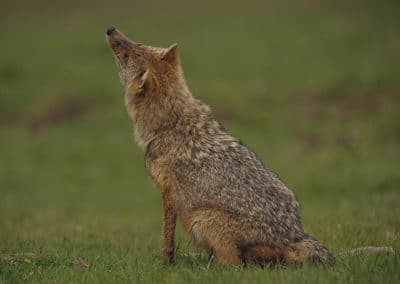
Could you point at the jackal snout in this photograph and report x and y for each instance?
(110, 30)
(129, 55)
(117, 40)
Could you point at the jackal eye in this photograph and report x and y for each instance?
(126, 57)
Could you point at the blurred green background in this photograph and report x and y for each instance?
(312, 86)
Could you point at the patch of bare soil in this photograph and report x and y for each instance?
(319, 107)
(59, 110)
(47, 114)
(348, 104)
(223, 113)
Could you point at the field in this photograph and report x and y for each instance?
(312, 86)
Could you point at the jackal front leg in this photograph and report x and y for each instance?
(169, 222)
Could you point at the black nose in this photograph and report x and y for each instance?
(110, 30)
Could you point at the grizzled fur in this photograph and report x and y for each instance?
(227, 200)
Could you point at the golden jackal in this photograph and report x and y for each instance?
(227, 200)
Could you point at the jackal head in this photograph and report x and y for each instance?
(155, 90)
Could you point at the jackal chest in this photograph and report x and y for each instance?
(160, 173)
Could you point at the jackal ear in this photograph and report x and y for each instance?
(139, 83)
(171, 54)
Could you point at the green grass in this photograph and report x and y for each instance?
(313, 88)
